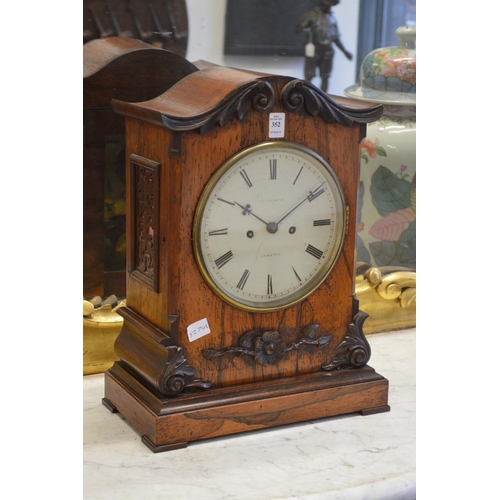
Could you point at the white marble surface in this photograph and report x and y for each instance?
(345, 458)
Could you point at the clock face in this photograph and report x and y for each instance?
(269, 226)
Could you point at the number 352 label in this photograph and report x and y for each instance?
(277, 125)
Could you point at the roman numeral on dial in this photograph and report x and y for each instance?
(217, 232)
(224, 259)
(322, 222)
(314, 251)
(269, 284)
(241, 284)
(273, 167)
(246, 178)
(300, 171)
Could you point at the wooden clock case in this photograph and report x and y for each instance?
(171, 390)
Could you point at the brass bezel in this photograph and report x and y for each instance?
(207, 191)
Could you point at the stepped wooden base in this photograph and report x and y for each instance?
(171, 423)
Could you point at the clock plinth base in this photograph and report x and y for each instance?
(171, 423)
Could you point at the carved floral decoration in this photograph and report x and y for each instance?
(268, 347)
(146, 199)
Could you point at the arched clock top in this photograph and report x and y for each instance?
(215, 95)
(260, 93)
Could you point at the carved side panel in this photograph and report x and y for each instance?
(145, 181)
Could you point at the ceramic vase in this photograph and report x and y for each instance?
(387, 192)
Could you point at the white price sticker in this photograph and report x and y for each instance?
(198, 329)
(277, 125)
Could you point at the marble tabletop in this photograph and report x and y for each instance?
(350, 457)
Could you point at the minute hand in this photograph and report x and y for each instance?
(311, 196)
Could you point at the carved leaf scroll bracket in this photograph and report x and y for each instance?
(260, 93)
(299, 94)
(165, 368)
(268, 347)
(178, 376)
(354, 351)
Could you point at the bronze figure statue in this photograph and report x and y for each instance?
(322, 28)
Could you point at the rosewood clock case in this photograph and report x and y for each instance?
(254, 369)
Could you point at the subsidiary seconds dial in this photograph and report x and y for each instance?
(269, 226)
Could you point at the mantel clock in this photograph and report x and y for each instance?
(241, 227)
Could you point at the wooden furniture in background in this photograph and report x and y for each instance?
(129, 70)
(162, 23)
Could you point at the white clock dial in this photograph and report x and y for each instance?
(269, 226)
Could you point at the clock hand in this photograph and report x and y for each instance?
(311, 196)
(248, 210)
(271, 227)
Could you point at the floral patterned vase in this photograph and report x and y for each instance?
(387, 197)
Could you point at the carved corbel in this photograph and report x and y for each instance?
(388, 295)
(390, 283)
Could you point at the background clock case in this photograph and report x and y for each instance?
(254, 370)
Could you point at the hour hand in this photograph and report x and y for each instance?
(247, 209)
